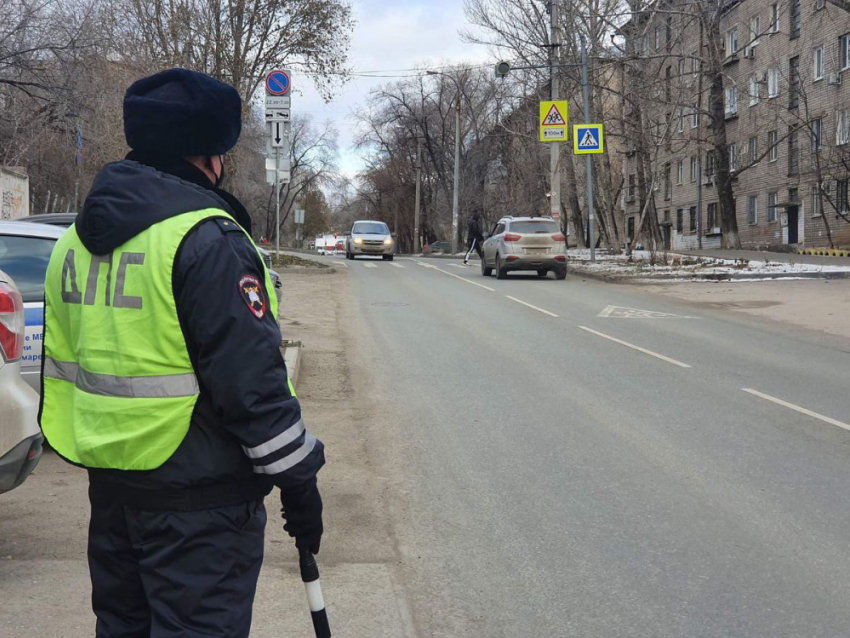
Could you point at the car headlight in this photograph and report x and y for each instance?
(358, 240)
(388, 241)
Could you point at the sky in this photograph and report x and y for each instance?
(390, 35)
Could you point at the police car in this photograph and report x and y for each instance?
(25, 250)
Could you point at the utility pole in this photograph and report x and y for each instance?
(554, 82)
(418, 187)
(699, 149)
(455, 205)
(588, 161)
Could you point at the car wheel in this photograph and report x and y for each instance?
(389, 257)
(485, 269)
(561, 273)
(501, 273)
(542, 272)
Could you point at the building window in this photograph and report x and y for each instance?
(693, 220)
(668, 183)
(668, 83)
(793, 152)
(658, 28)
(755, 89)
(681, 120)
(772, 82)
(773, 145)
(841, 195)
(732, 41)
(753, 209)
(816, 129)
(842, 131)
(733, 157)
(796, 15)
(711, 216)
(774, 18)
(680, 172)
(695, 117)
(771, 207)
(816, 209)
(794, 83)
(819, 4)
(679, 221)
(667, 216)
(694, 170)
(844, 42)
(668, 33)
(754, 149)
(818, 63)
(681, 67)
(709, 164)
(694, 63)
(755, 32)
(632, 186)
(731, 102)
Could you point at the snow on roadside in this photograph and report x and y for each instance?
(684, 266)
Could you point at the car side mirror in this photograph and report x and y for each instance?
(486, 235)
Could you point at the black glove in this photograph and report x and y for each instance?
(302, 511)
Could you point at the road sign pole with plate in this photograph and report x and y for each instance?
(553, 121)
(278, 102)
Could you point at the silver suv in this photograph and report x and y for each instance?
(525, 243)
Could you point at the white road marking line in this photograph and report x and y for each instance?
(797, 408)
(397, 265)
(525, 303)
(619, 312)
(341, 264)
(451, 274)
(638, 348)
(369, 266)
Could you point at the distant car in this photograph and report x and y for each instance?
(370, 238)
(24, 254)
(20, 437)
(525, 243)
(438, 248)
(51, 219)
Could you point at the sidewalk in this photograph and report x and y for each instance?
(759, 255)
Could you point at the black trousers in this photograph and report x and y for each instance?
(474, 244)
(169, 574)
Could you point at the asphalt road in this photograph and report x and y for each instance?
(564, 468)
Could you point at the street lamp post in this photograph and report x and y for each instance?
(456, 186)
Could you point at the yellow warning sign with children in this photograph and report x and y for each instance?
(553, 121)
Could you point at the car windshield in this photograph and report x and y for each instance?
(370, 228)
(25, 260)
(532, 227)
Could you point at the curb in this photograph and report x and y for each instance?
(292, 356)
(663, 278)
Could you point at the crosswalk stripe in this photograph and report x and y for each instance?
(397, 265)
(369, 266)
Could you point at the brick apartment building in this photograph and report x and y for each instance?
(786, 86)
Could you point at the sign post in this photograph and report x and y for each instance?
(278, 102)
(589, 163)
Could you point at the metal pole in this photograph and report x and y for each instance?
(416, 206)
(457, 176)
(554, 81)
(588, 162)
(277, 202)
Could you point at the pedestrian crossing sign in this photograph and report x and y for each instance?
(553, 121)
(587, 138)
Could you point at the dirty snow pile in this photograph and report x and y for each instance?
(675, 266)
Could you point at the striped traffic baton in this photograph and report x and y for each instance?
(310, 576)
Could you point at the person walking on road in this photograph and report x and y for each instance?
(474, 238)
(162, 376)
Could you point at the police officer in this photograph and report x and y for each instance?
(163, 377)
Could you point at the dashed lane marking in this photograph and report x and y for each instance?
(525, 303)
(797, 408)
(638, 348)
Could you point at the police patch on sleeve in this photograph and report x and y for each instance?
(251, 291)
